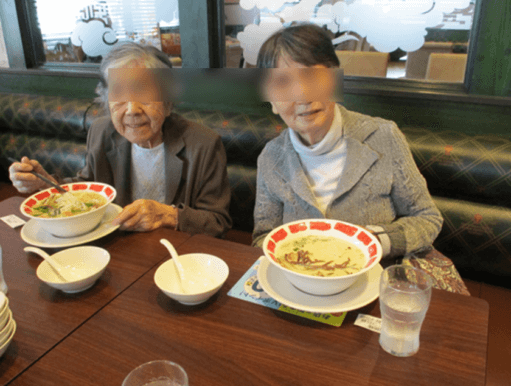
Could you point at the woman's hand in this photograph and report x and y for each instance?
(146, 215)
(23, 180)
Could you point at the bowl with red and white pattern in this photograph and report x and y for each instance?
(320, 256)
(61, 219)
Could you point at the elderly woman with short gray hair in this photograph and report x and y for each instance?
(338, 164)
(168, 172)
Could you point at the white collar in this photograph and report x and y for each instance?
(329, 141)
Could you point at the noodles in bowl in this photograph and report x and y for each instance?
(60, 205)
(65, 216)
(322, 257)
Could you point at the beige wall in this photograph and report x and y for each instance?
(3, 53)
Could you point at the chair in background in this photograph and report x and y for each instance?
(446, 67)
(417, 61)
(233, 53)
(364, 63)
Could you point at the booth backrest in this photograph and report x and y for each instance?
(468, 176)
(472, 168)
(54, 130)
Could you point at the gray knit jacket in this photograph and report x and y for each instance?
(380, 185)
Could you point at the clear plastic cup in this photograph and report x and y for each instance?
(405, 294)
(157, 373)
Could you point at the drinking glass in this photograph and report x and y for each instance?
(405, 293)
(157, 373)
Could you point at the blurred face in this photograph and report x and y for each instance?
(302, 96)
(136, 106)
(140, 123)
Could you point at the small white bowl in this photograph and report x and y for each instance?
(204, 275)
(6, 331)
(4, 319)
(89, 262)
(4, 305)
(4, 346)
(355, 235)
(74, 225)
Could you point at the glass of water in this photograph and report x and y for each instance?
(157, 373)
(405, 293)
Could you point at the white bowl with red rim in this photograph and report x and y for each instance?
(75, 225)
(319, 285)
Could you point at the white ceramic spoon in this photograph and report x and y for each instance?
(64, 272)
(179, 266)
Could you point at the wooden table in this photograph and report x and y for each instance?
(44, 316)
(228, 341)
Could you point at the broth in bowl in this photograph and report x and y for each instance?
(320, 256)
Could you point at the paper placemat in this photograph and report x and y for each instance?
(248, 288)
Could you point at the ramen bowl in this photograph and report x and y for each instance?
(337, 238)
(204, 275)
(75, 224)
(86, 264)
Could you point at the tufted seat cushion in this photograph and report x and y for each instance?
(470, 181)
(59, 157)
(50, 129)
(51, 117)
(474, 168)
(477, 237)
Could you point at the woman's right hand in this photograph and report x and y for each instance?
(23, 180)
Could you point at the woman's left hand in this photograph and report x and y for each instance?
(146, 215)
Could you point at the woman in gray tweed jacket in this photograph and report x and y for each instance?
(334, 163)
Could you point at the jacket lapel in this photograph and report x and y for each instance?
(354, 170)
(292, 172)
(120, 160)
(359, 156)
(173, 128)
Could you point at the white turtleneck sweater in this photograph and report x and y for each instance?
(323, 164)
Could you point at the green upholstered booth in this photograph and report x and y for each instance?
(468, 175)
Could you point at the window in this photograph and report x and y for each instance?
(411, 39)
(82, 31)
(202, 29)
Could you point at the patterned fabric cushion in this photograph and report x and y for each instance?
(243, 190)
(474, 168)
(60, 157)
(43, 116)
(467, 175)
(243, 135)
(477, 237)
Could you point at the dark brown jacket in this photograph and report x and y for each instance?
(195, 171)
